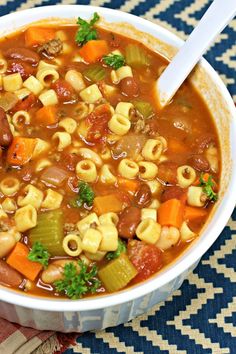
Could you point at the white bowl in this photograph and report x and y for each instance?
(111, 310)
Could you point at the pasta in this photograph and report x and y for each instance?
(152, 149)
(195, 196)
(12, 82)
(149, 213)
(124, 109)
(91, 240)
(69, 124)
(48, 98)
(186, 175)
(20, 118)
(148, 230)
(3, 66)
(91, 94)
(9, 205)
(128, 168)
(185, 233)
(86, 171)
(52, 200)
(121, 73)
(168, 238)
(41, 164)
(119, 124)
(147, 170)
(32, 196)
(109, 240)
(9, 186)
(47, 76)
(109, 218)
(63, 140)
(72, 245)
(85, 223)
(33, 85)
(41, 147)
(90, 155)
(25, 218)
(106, 176)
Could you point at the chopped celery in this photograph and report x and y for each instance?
(117, 273)
(144, 108)
(95, 73)
(49, 232)
(135, 56)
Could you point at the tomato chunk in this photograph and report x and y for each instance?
(26, 103)
(98, 121)
(147, 259)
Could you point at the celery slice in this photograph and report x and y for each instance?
(95, 73)
(117, 273)
(144, 108)
(135, 56)
(49, 231)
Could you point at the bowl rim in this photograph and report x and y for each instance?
(215, 226)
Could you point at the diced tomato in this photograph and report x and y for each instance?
(24, 69)
(173, 192)
(25, 104)
(69, 161)
(64, 90)
(98, 121)
(147, 259)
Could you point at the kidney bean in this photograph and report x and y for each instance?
(128, 222)
(64, 90)
(199, 162)
(171, 193)
(5, 131)
(203, 142)
(8, 275)
(129, 86)
(24, 54)
(24, 69)
(143, 196)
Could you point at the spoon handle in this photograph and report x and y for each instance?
(211, 24)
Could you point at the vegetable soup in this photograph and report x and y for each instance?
(99, 188)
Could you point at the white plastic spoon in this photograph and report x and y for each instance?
(211, 24)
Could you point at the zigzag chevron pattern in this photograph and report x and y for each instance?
(200, 318)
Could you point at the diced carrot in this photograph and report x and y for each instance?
(20, 151)
(194, 213)
(129, 185)
(38, 35)
(170, 213)
(108, 203)
(94, 50)
(18, 259)
(46, 115)
(176, 146)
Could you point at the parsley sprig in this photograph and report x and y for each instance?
(39, 254)
(85, 196)
(86, 31)
(120, 249)
(116, 61)
(75, 284)
(208, 187)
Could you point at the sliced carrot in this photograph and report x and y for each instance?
(18, 259)
(94, 50)
(170, 213)
(194, 213)
(38, 35)
(129, 185)
(108, 203)
(46, 115)
(20, 151)
(176, 146)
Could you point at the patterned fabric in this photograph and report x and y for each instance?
(200, 318)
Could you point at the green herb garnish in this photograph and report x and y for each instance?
(85, 196)
(116, 61)
(39, 254)
(75, 284)
(208, 187)
(86, 31)
(120, 249)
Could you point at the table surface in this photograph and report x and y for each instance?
(200, 317)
